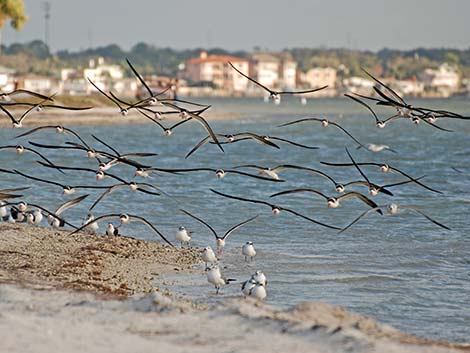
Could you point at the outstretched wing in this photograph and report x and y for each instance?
(201, 221)
(231, 230)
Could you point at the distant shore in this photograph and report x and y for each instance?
(64, 293)
(101, 116)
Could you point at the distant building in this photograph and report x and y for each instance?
(37, 83)
(105, 76)
(97, 70)
(5, 76)
(410, 87)
(319, 77)
(358, 85)
(288, 71)
(444, 80)
(159, 84)
(265, 68)
(216, 70)
(102, 74)
(466, 85)
(275, 71)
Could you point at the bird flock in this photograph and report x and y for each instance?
(155, 107)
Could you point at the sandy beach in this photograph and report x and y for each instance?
(101, 115)
(107, 294)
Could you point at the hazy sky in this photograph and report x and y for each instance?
(243, 24)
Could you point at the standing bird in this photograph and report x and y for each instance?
(53, 219)
(259, 277)
(258, 291)
(183, 236)
(215, 277)
(111, 230)
(248, 250)
(34, 217)
(208, 256)
(124, 218)
(220, 240)
(247, 285)
(92, 227)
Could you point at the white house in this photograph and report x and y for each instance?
(409, 87)
(359, 85)
(265, 68)
(445, 79)
(5, 75)
(320, 76)
(103, 75)
(273, 70)
(38, 83)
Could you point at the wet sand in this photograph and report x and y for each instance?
(106, 294)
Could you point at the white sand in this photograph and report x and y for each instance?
(38, 314)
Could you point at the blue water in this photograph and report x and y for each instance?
(402, 270)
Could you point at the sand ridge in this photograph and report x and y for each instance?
(118, 266)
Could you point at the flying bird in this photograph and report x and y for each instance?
(275, 95)
(220, 239)
(275, 209)
(393, 209)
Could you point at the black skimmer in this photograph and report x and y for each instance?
(274, 172)
(233, 138)
(378, 123)
(124, 219)
(222, 173)
(66, 189)
(17, 123)
(393, 209)
(131, 185)
(384, 168)
(331, 201)
(220, 240)
(123, 111)
(324, 123)
(275, 209)
(58, 129)
(276, 95)
(6, 96)
(20, 149)
(267, 139)
(53, 218)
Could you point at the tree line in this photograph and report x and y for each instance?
(35, 57)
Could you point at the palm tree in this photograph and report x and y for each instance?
(12, 10)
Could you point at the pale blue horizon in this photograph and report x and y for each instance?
(244, 24)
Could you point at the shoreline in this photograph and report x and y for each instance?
(109, 294)
(103, 116)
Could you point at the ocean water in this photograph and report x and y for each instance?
(402, 270)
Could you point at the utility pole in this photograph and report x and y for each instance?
(46, 6)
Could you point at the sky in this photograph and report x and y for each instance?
(245, 24)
